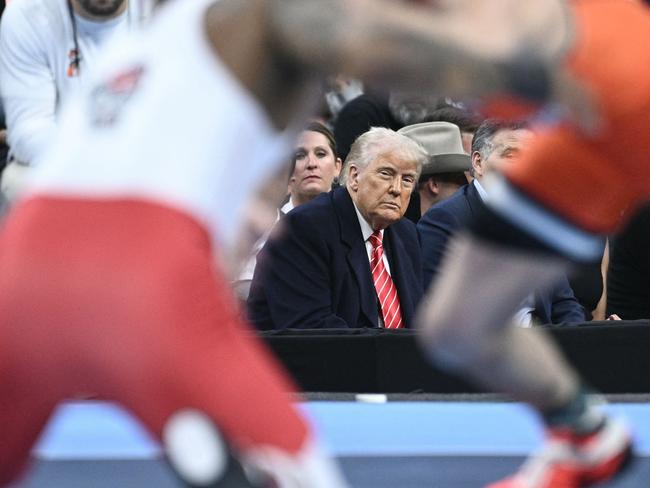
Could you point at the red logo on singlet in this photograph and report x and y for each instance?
(109, 98)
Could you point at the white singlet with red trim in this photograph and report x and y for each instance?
(164, 120)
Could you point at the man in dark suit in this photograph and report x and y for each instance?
(495, 143)
(316, 272)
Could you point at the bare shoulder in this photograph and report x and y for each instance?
(243, 37)
(308, 27)
(235, 30)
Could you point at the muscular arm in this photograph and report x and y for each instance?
(461, 48)
(450, 46)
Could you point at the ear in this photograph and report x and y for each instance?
(432, 186)
(477, 163)
(353, 177)
(338, 165)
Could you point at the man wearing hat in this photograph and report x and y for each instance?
(444, 173)
(496, 144)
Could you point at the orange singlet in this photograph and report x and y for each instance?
(591, 180)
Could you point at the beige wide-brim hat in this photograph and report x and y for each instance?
(443, 142)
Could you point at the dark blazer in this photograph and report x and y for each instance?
(441, 221)
(314, 272)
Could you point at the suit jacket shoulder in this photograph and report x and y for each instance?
(440, 222)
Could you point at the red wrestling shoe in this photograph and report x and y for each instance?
(568, 460)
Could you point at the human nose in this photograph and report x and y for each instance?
(312, 161)
(396, 186)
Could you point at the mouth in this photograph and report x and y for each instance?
(391, 205)
(312, 178)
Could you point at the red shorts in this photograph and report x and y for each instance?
(121, 298)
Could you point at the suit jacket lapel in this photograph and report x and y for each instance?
(357, 256)
(473, 199)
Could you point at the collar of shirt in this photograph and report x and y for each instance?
(481, 191)
(367, 231)
(287, 207)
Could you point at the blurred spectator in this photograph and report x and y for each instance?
(628, 277)
(495, 144)
(47, 48)
(339, 91)
(410, 108)
(314, 169)
(317, 273)
(260, 215)
(444, 172)
(358, 116)
(370, 110)
(466, 121)
(316, 165)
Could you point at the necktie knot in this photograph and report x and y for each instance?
(375, 239)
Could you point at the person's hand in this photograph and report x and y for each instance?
(614, 317)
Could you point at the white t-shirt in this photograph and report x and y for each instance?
(36, 42)
(164, 120)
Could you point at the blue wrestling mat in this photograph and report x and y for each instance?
(379, 444)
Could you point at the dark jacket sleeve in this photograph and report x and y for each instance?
(435, 228)
(561, 305)
(291, 285)
(566, 309)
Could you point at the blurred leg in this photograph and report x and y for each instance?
(198, 355)
(466, 329)
(466, 322)
(26, 395)
(23, 414)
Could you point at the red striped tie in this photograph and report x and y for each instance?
(386, 291)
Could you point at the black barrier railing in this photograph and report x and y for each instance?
(612, 358)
